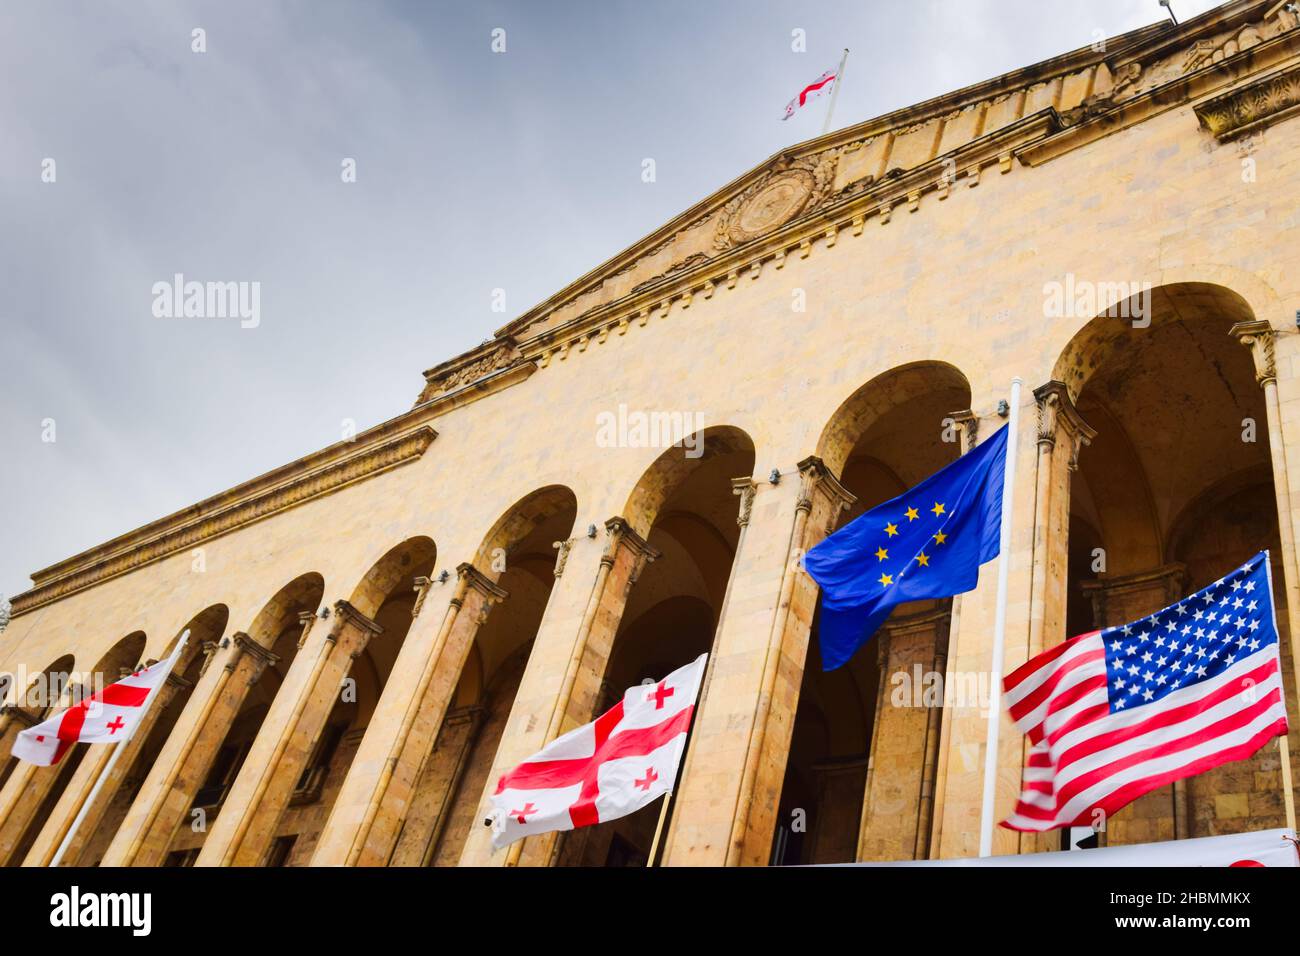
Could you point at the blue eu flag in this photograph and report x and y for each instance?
(929, 542)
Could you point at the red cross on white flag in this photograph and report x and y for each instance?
(604, 770)
(823, 84)
(107, 717)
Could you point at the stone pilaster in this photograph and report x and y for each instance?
(625, 557)
(439, 780)
(726, 806)
(247, 825)
(897, 804)
(183, 764)
(1259, 337)
(385, 797)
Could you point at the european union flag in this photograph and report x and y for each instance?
(929, 542)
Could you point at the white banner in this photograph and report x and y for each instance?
(1262, 848)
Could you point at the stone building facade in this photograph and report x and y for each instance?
(379, 629)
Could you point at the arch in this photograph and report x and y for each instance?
(303, 593)
(886, 393)
(208, 625)
(1112, 337)
(521, 519)
(1171, 486)
(401, 564)
(675, 465)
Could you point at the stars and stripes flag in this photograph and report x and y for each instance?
(1119, 712)
(823, 84)
(604, 770)
(107, 716)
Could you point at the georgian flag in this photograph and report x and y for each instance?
(604, 770)
(107, 717)
(813, 90)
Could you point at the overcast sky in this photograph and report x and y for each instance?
(475, 170)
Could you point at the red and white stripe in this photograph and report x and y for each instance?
(822, 84)
(109, 716)
(1086, 759)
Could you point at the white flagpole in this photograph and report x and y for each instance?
(1000, 627)
(117, 752)
(835, 91)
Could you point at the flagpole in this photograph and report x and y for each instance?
(1000, 626)
(835, 91)
(659, 827)
(112, 761)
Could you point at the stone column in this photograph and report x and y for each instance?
(567, 620)
(246, 826)
(1118, 599)
(386, 795)
(183, 764)
(897, 803)
(967, 423)
(79, 787)
(625, 557)
(726, 807)
(437, 785)
(1062, 435)
(1258, 336)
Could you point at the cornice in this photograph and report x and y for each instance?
(1205, 81)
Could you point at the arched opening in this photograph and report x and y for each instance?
(103, 820)
(686, 509)
(217, 757)
(860, 768)
(31, 705)
(46, 784)
(520, 555)
(386, 595)
(1175, 489)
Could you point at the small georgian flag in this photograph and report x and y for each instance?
(107, 717)
(813, 90)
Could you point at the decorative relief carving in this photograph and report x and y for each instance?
(791, 188)
(1247, 108)
(450, 376)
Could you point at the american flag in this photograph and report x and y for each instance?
(1119, 712)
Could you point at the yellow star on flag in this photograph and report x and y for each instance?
(886, 580)
(937, 509)
(911, 514)
(891, 529)
(881, 554)
(923, 559)
(940, 538)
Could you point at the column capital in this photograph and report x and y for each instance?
(815, 477)
(262, 656)
(969, 423)
(1258, 336)
(475, 580)
(1059, 419)
(562, 549)
(346, 612)
(745, 488)
(620, 534)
